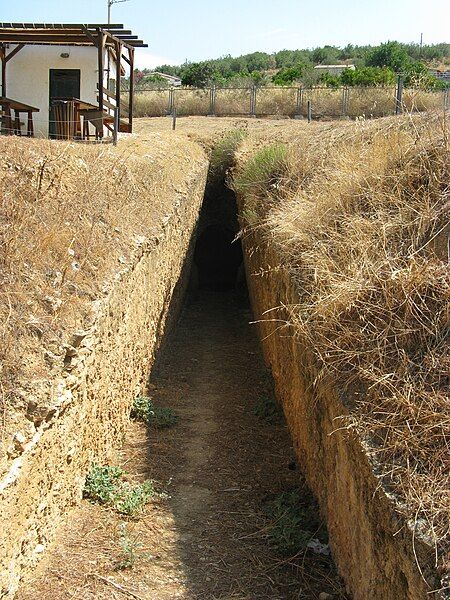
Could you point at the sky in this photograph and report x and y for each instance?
(195, 30)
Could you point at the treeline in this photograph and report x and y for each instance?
(375, 65)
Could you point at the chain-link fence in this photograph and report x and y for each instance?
(286, 101)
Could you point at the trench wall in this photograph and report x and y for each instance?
(107, 366)
(373, 547)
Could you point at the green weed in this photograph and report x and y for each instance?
(144, 410)
(268, 409)
(105, 485)
(222, 156)
(131, 549)
(294, 524)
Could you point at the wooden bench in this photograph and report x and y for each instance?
(12, 125)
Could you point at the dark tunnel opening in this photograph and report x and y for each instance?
(218, 259)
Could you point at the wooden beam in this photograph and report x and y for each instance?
(19, 38)
(126, 59)
(118, 73)
(107, 104)
(63, 26)
(131, 92)
(100, 47)
(14, 52)
(3, 59)
(106, 92)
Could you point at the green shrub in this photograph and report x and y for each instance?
(368, 77)
(104, 485)
(288, 75)
(268, 409)
(222, 156)
(144, 410)
(101, 484)
(261, 178)
(294, 524)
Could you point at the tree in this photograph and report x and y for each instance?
(198, 74)
(417, 75)
(328, 55)
(368, 76)
(329, 80)
(391, 54)
(288, 75)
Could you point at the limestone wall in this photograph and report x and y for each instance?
(105, 368)
(374, 548)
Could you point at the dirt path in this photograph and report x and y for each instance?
(221, 465)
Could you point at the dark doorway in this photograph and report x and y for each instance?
(218, 257)
(64, 83)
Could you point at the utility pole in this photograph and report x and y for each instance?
(421, 43)
(110, 3)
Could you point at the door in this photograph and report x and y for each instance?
(64, 83)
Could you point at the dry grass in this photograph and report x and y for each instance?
(359, 214)
(154, 103)
(71, 216)
(326, 102)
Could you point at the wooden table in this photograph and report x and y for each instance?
(13, 126)
(67, 114)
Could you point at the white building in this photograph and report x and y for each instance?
(171, 79)
(65, 72)
(333, 69)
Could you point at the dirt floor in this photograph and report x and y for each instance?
(220, 466)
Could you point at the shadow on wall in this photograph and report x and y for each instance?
(218, 259)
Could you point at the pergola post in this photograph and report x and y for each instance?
(118, 74)
(3, 59)
(100, 47)
(131, 96)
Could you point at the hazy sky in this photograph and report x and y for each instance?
(199, 29)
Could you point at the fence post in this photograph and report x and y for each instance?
(116, 125)
(174, 118)
(309, 111)
(399, 95)
(170, 106)
(344, 101)
(299, 105)
(212, 101)
(253, 102)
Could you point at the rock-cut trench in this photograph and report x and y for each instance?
(221, 466)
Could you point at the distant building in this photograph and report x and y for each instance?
(171, 79)
(440, 74)
(333, 69)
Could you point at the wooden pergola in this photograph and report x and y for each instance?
(119, 44)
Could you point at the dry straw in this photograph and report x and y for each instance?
(359, 216)
(71, 217)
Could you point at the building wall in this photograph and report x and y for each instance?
(333, 69)
(28, 77)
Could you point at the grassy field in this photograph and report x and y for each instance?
(326, 103)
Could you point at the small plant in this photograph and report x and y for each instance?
(144, 410)
(294, 524)
(132, 499)
(267, 408)
(222, 156)
(131, 549)
(101, 484)
(104, 485)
